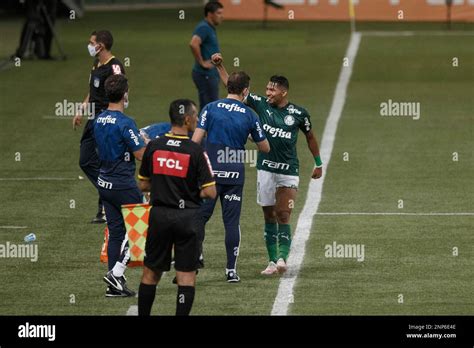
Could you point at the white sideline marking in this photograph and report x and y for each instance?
(403, 214)
(313, 198)
(418, 33)
(47, 117)
(133, 310)
(13, 227)
(38, 179)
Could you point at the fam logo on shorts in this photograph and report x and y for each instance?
(171, 163)
(289, 120)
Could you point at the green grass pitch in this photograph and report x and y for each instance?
(390, 158)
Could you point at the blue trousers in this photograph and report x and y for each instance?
(231, 203)
(113, 201)
(208, 88)
(88, 158)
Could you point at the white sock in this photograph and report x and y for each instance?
(119, 269)
(229, 270)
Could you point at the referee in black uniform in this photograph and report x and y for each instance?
(105, 65)
(178, 174)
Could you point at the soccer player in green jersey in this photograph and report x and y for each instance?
(278, 170)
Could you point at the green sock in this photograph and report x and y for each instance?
(271, 235)
(284, 240)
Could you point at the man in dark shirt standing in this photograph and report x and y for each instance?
(178, 174)
(105, 65)
(203, 45)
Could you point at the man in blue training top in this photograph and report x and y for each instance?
(203, 45)
(228, 123)
(156, 130)
(118, 144)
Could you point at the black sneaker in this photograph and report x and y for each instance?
(111, 292)
(118, 284)
(99, 219)
(232, 277)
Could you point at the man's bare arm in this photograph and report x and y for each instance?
(198, 135)
(208, 192)
(139, 153)
(263, 146)
(218, 61)
(195, 45)
(76, 121)
(314, 148)
(144, 185)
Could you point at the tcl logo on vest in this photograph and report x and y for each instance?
(170, 163)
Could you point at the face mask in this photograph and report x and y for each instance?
(91, 49)
(245, 98)
(125, 102)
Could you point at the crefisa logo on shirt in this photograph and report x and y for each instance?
(231, 107)
(106, 120)
(203, 118)
(134, 137)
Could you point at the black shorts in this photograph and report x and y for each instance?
(173, 228)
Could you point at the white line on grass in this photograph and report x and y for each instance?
(303, 227)
(13, 227)
(396, 214)
(133, 310)
(47, 117)
(418, 33)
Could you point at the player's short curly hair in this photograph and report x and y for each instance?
(115, 87)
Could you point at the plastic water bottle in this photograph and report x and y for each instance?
(30, 238)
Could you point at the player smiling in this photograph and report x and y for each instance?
(278, 170)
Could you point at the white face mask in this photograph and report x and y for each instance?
(92, 50)
(125, 102)
(245, 98)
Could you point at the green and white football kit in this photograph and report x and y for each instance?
(279, 167)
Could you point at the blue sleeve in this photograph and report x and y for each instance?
(203, 122)
(202, 31)
(256, 130)
(132, 137)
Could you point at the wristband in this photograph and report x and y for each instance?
(317, 160)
